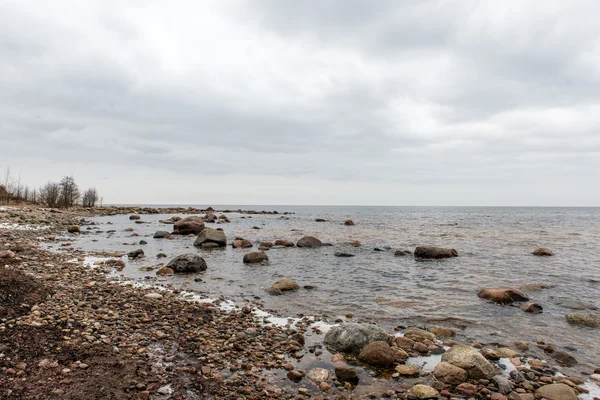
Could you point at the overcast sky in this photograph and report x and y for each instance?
(305, 102)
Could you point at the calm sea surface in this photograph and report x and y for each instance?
(494, 246)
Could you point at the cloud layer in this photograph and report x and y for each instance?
(314, 102)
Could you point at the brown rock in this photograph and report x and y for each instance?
(467, 389)
(309, 242)
(424, 392)
(164, 271)
(346, 373)
(284, 284)
(430, 252)
(73, 228)
(377, 353)
(502, 295)
(240, 243)
(533, 308)
(284, 242)
(189, 225)
(449, 373)
(349, 222)
(255, 257)
(542, 251)
(556, 391)
(266, 244)
(407, 370)
(442, 332)
(7, 254)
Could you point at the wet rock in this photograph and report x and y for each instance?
(442, 332)
(542, 251)
(450, 374)
(189, 226)
(434, 253)
(377, 353)
(295, 376)
(469, 359)
(351, 338)
(320, 220)
(401, 253)
(533, 308)
(530, 287)
(162, 235)
(345, 373)
(318, 375)
(309, 242)
(355, 243)
(210, 237)
(404, 343)
(424, 392)
(255, 257)
(284, 242)
(164, 271)
(399, 354)
(502, 295)
(342, 254)
(240, 243)
(73, 228)
(556, 391)
(504, 385)
(7, 254)
(419, 335)
(266, 244)
(349, 222)
(135, 254)
(466, 389)
(409, 371)
(154, 295)
(134, 217)
(590, 320)
(187, 263)
(563, 358)
(142, 242)
(505, 352)
(284, 284)
(274, 291)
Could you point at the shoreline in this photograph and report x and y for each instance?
(184, 356)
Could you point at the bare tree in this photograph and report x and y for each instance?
(90, 198)
(6, 193)
(69, 192)
(50, 194)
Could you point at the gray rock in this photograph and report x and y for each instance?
(556, 391)
(346, 373)
(255, 257)
(135, 253)
(504, 385)
(471, 360)
(308, 242)
(187, 263)
(209, 235)
(351, 338)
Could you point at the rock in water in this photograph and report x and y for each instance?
(135, 253)
(255, 257)
(533, 308)
(591, 320)
(450, 374)
(134, 217)
(351, 338)
(241, 243)
(556, 391)
(73, 228)
(187, 263)
(285, 284)
(189, 225)
(434, 253)
(284, 242)
(408, 370)
(424, 392)
(349, 222)
(563, 358)
(162, 235)
(341, 254)
(469, 359)
(542, 251)
(318, 375)
(377, 353)
(274, 291)
(502, 295)
(210, 237)
(309, 242)
(346, 373)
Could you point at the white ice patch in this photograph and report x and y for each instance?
(22, 227)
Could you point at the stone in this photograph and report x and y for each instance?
(186, 263)
(73, 228)
(162, 235)
(442, 332)
(7, 254)
(467, 389)
(309, 242)
(589, 320)
(434, 253)
(284, 242)
(192, 225)
(154, 295)
(351, 338)
(318, 375)
(469, 359)
(266, 244)
(450, 374)
(345, 373)
(556, 391)
(342, 254)
(135, 253)
(505, 352)
(490, 354)
(542, 251)
(563, 358)
(378, 353)
(533, 308)
(504, 385)
(349, 222)
(284, 284)
(211, 237)
(163, 271)
(401, 253)
(274, 291)
(399, 354)
(240, 243)
(134, 217)
(424, 392)
(404, 343)
(419, 335)
(407, 370)
(502, 295)
(255, 257)
(530, 287)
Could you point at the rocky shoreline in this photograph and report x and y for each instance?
(68, 331)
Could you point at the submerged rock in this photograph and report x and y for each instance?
(434, 253)
(590, 320)
(378, 353)
(189, 225)
(274, 291)
(502, 295)
(532, 307)
(284, 284)
(401, 253)
(542, 251)
(240, 243)
(346, 373)
(135, 253)
(351, 338)
(210, 237)
(469, 359)
(255, 257)
(187, 263)
(309, 242)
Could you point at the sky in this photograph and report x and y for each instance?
(325, 102)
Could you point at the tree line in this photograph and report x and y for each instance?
(62, 194)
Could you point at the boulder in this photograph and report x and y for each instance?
(164, 271)
(210, 218)
(533, 308)
(449, 374)
(189, 225)
(162, 235)
(187, 263)
(284, 242)
(351, 338)
(563, 358)
(469, 359)
(556, 391)
(342, 254)
(542, 251)
(255, 257)
(349, 222)
(309, 242)
(419, 335)
(590, 320)
(7, 254)
(378, 353)
(268, 244)
(442, 332)
(136, 253)
(502, 295)
(134, 217)
(505, 352)
(240, 243)
(73, 228)
(284, 284)
(210, 237)
(424, 392)
(434, 253)
(407, 370)
(346, 373)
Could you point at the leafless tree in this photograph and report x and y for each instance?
(50, 194)
(69, 192)
(90, 198)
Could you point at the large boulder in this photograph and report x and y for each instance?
(556, 391)
(284, 284)
(469, 359)
(309, 242)
(450, 374)
(189, 225)
(210, 237)
(502, 295)
(542, 251)
(351, 338)
(591, 320)
(434, 253)
(255, 257)
(187, 263)
(378, 353)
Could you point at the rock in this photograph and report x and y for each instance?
(450, 374)
(320, 220)
(404, 343)
(7, 254)
(309, 242)
(504, 385)
(210, 237)
(351, 338)
(442, 332)
(255, 257)
(574, 304)
(590, 320)
(284, 284)
(467, 389)
(163, 271)
(346, 373)
(401, 253)
(407, 370)
(274, 291)
(187, 263)
(154, 295)
(162, 235)
(240, 243)
(563, 358)
(266, 244)
(399, 354)
(533, 308)
(134, 217)
(349, 222)
(318, 375)
(424, 392)
(114, 262)
(434, 253)
(530, 287)
(505, 352)
(284, 242)
(542, 251)
(469, 359)
(188, 226)
(595, 377)
(490, 354)
(135, 253)
(73, 228)
(377, 353)
(502, 295)
(342, 254)
(355, 243)
(556, 391)
(295, 376)
(419, 335)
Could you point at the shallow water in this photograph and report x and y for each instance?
(494, 246)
